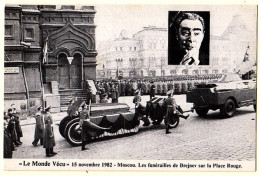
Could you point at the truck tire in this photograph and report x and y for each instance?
(202, 111)
(229, 108)
(63, 124)
(174, 122)
(157, 121)
(72, 135)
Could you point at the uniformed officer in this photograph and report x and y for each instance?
(152, 90)
(170, 103)
(17, 125)
(70, 107)
(83, 115)
(114, 94)
(123, 83)
(8, 142)
(39, 127)
(138, 107)
(48, 138)
(11, 127)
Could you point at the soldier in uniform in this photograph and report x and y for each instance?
(8, 142)
(152, 90)
(17, 125)
(70, 109)
(140, 108)
(123, 88)
(11, 127)
(114, 94)
(128, 88)
(170, 103)
(48, 138)
(83, 115)
(39, 127)
(172, 109)
(159, 88)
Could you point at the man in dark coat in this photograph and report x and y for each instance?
(152, 90)
(8, 142)
(123, 88)
(48, 139)
(39, 127)
(114, 94)
(17, 125)
(83, 115)
(11, 127)
(170, 103)
(128, 89)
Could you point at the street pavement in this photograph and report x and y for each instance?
(197, 138)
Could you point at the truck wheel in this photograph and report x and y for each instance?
(63, 124)
(229, 108)
(174, 122)
(72, 133)
(157, 121)
(202, 111)
(255, 107)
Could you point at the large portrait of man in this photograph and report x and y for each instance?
(188, 38)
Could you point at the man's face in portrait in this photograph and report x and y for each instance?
(190, 36)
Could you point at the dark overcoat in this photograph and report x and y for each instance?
(48, 139)
(39, 126)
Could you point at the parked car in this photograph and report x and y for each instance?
(226, 94)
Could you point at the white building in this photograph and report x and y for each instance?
(145, 54)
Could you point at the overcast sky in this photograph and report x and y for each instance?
(111, 20)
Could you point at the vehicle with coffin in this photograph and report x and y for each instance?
(112, 119)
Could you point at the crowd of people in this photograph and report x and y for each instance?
(106, 89)
(127, 87)
(12, 132)
(43, 131)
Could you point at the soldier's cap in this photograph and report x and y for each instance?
(9, 110)
(137, 92)
(48, 108)
(169, 92)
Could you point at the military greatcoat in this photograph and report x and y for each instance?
(48, 139)
(170, 103)
(39, 127)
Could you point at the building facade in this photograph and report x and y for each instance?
(226, 53)
(47, 49)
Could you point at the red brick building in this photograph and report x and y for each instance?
(69, 35)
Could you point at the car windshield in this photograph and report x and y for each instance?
(230, 78)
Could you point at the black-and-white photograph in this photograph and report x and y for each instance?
(188, 35)
(130, 87)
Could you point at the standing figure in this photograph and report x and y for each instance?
(70, 107)
(17, 125)
(172, 110)
(48, 139)
(8, 142)
(140, 109)
(83, 115)
(170, 103)
(114, 94)
(11, 127)
(152, 91)
(39, 127)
